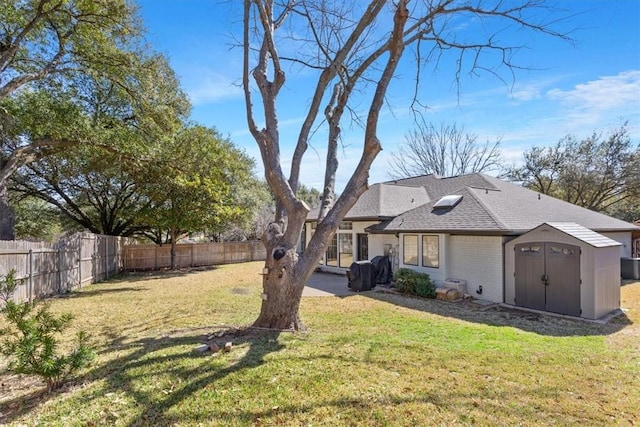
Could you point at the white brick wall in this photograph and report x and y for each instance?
(625, 239)
(479, 261)
(437, 275)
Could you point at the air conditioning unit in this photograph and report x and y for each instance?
(630, 268)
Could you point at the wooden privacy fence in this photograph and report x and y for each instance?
(49, 269)
(154, 257)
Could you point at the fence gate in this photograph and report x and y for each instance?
(547, 277)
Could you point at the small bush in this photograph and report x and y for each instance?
(414, 283)
(29, 340)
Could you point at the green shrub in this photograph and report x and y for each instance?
(415, 283)
(29, 339)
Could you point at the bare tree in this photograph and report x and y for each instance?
(355, 50)
(444, 151)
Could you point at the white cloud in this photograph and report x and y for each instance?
(530, 90)
(527, 93)
(592, 102)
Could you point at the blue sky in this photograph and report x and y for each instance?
(575, 88)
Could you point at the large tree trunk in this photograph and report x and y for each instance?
(174, 250)
(7, 218)
(7, 221)
(283, 281)
(282, 292)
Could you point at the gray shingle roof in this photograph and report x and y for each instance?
(383, 201)
(438, 187)
(491, 205)
(521, 209)
(468, 215)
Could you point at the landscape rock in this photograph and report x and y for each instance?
(202, 348)
(441, 293)
(453, 294)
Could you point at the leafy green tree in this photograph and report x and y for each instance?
(197, 179)
(110, 137)
(49, 50)
(600, 172)
(627, 210)
(94, 189)
(258, 207)
(36, 220)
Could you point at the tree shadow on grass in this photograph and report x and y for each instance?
(20, 401)
(144, 275)
(154, 411)
(98, 292)
(118, 375)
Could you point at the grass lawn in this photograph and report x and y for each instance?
(375, 359)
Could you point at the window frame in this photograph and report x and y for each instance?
(426, 251)
(362, 242)
(333, 245)
(345, 240)
(404, 249)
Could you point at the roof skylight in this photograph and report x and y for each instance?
(448, 201)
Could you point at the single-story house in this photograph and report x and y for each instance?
(466, 229)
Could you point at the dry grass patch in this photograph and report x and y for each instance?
(372, 359)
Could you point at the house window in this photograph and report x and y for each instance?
(410, 249)
(346, 225)
(363, 247)
(346, 250)
(332, 252)
(430, 251)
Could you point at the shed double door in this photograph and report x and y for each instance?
(547, 277)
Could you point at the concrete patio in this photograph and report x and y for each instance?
(326, 285)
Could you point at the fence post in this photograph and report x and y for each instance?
(118, 257)
(95, 263)
(59, 270)
(30, 275)
(106, 257)
(80, 263)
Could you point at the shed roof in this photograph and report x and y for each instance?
(583, 234)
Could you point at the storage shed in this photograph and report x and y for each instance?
(564, 268)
